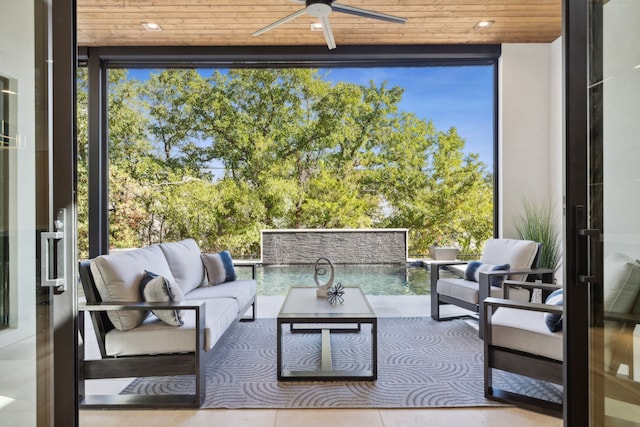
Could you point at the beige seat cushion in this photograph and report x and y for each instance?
(242, 291)
(526, 331)
(466, 290)
(156, 337)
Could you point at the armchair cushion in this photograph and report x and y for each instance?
(466, 290)
(553, 320)
(474, 268)
(519, 254)
(156, 288)
(525, 330)
(621, 283)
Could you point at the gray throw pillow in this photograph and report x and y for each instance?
(219, 267)
(156, 288)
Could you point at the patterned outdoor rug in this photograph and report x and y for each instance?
(421, 363)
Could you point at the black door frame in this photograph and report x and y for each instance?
(576, 332)
(99, 59)
(64, 159)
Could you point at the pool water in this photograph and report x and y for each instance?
(373, 279)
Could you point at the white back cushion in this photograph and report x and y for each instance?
(118, 276)
(185, 263)
(621, 283)
(519, 254)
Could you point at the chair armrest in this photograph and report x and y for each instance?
(546, 288)
(439, 264)
(531, 306)
(434, 269)
(530, 285)
(485, 278)
(521, 271)
(118, 306)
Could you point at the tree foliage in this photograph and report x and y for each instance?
(219, 158)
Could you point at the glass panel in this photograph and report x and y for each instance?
(615, 203)
(7, 101)
(23, 360)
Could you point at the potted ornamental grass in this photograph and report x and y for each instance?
(538, 223)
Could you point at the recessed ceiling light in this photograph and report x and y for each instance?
(151, 26)
(483, 24)
(316, 26)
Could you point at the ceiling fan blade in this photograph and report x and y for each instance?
(367, 13)
(279, 22)
(328, 34)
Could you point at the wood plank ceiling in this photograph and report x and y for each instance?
(231, 22)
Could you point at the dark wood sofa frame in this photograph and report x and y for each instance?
(109, 367)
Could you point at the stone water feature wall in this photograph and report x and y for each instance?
(342, 246)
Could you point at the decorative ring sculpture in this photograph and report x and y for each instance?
(321, 270)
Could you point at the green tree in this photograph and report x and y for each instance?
(127, 145)
(295, 151)
(454, 203)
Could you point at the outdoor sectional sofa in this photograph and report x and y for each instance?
(159, 311)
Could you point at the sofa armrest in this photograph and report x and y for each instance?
(247, 264)
(117, 306)
(198, 307)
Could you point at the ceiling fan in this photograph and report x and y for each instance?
(321, 10)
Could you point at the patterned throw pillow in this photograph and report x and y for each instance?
(219, 267)
(154, 288)
(554, 321)
(474, 268)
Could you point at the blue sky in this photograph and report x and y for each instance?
(460, 97)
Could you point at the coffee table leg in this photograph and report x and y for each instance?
(279, 349)
(374, 349)
(327, 363)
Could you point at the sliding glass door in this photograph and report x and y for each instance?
(614, 203)
(602, 244)
(36, 215)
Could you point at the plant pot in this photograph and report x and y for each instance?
(440, 253)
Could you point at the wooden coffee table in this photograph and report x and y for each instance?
(302, 308)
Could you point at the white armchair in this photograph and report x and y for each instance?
(502, 259)
(518, 338)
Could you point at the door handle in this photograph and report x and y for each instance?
(53, 266)
(587, 247)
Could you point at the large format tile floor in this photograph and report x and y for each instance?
(385, 306)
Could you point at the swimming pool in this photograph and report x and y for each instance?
(373, 279)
